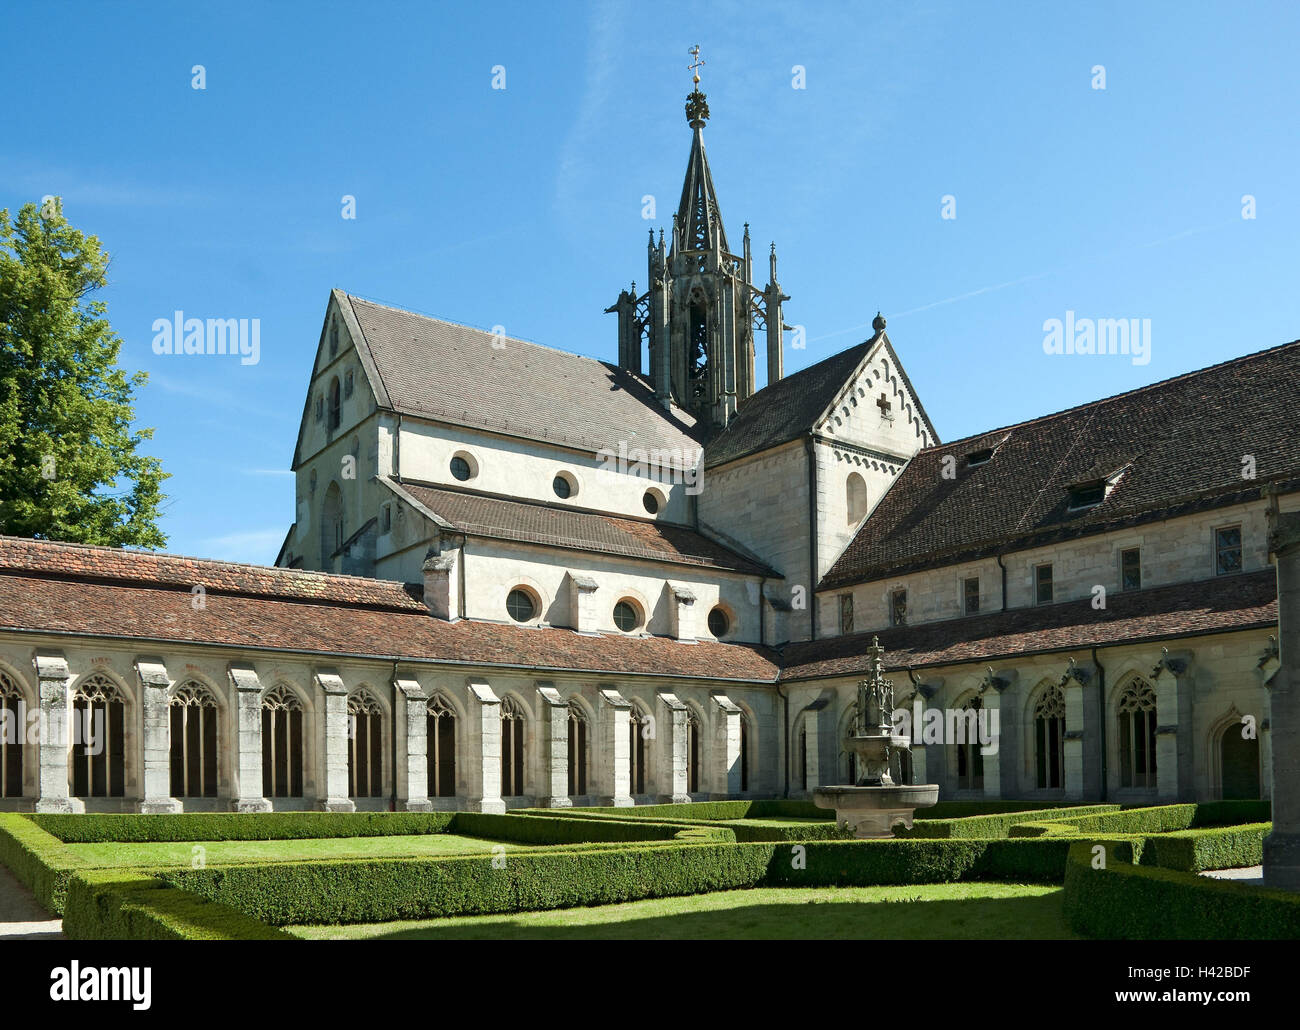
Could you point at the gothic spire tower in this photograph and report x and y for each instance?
(701, 313)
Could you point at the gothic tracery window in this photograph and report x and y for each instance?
(365, 746)
(692, 752)
(13, 731)
(195, 737)
(970, 757)
(512, 748)
(98, 744)
(637, 726)
(1136, 712)
(282, 743)
(1049, 739)
(441, 748)
(577, 750)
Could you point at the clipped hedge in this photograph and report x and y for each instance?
(1230, 813)
(38, 859)
(123, 905)
(1219, 847)
(560, 829)
(208, 826)
(1134, 902)
(1157, 819)
(993, 825)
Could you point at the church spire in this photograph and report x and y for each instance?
(699, 219)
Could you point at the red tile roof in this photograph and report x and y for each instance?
(1226, 603)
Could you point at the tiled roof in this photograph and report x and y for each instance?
(115, 565)
(553, 525)
(454, 373)
(1238, 602)
(784, 410)
(147, 598)
(1180, 442)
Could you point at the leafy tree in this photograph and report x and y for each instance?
(70, 461)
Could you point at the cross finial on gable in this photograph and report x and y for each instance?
(884, 406)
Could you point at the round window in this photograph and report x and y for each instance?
(562, 487)
(460, 468)
(651, 502)
(626, 616)
(718, 622)
(520, 605)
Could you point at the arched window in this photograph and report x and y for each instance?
(98, 746)
(1049, 738)
(577, 750)
(336, 404)
(744, 754)
(13, 731)
(365, 746)
(970, 758)
(692, 752)
(282, 758)
(638, 724)
(1136, 712)
(331, 525)
(856, 497)
(441, 748)
(195, 737)
(512, 748)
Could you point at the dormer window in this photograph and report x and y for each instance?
(1087, 495)
(981, 457)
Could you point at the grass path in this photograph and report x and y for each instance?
(960, 911)
(225, 852)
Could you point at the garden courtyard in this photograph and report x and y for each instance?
(735, 870)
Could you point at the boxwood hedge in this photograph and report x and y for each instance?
(38, 859)
(1133, 902)
(994, 825)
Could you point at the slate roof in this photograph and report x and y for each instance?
(1181, 443)
(554, 525)
(453, 373)
(69, 589)
(1224, 604)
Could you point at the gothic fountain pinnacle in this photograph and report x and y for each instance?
(875, 804)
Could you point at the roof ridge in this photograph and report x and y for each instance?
(1038, 419)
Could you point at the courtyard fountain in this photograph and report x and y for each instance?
(875, 804)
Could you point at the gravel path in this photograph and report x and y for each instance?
(21, 918)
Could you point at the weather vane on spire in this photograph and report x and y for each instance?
(694, 69)
(697, 108)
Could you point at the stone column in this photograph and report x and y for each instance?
(615, 749)
(671, 749)
(248, 739)
(1001, 757)
(726, 749)
(337, 796)
(155, 706)
(483, 750)
(412, 723)
(1268, 668)
(812, 756)
(1282, 846)
(1173, 730)
(553, 738)
(1076, 720)
(53, 681)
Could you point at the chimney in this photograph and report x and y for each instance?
(442, 585)
(682, 612)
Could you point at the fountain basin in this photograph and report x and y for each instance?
(873, 812)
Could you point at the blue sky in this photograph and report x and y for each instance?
(523, 207)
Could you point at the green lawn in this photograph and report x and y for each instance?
(224, 852)
(950, 911)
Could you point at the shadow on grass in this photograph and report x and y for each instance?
(1029, 918)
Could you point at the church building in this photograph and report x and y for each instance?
(521, 577)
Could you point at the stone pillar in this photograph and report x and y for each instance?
(1282, 846)
(1001, 755)
(248, 739)
(681, 611)
(615, 749)
(1268, 668)
(671, 749)
(53, 681)
(726, 749)
(412, 724)
(483, 750)
(553, 738)
(1076, 736)
(337, 795)
(155, 685)
(582, 603)
(812, 755)
(1173, 730)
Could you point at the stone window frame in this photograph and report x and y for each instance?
(94, 689)
(638, 718)
(727, 615)
(514, 747)
(1048, 708)
(638, 611)
(1049, 583)
(11, 690)
(365, 723)
(1220, 549)
(966, 608)
(579, 749)
(1136, 709)
(437, 708)
(1124, 552)
(898, 606)
(845, 601)
(194, 693)
(279, 703)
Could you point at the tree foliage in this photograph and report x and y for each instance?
(71, 467)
